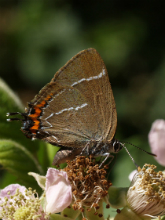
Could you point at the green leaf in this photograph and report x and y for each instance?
(19, 161)
(8, 95)
(7, 179)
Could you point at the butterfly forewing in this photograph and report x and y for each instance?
(82, 106)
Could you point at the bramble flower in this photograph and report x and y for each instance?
(145, 196)
(149, 188)
(157, 140)
(89, 185)
(17, 202)
(58, 190)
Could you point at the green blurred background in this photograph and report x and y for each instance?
(39, 37)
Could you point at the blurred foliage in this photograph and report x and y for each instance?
(38, 37)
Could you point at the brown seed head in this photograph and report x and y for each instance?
(89, 184)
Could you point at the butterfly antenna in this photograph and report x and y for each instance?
(15, 113)
(130, 155)
(141, 149)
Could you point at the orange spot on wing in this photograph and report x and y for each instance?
(37, 110)
(48, 97)
(35, 127)
(36, 122)
(41, 104)
(37, 113)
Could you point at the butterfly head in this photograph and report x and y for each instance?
(117, 146)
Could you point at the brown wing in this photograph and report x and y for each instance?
(82, 107)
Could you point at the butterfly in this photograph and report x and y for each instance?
(75, 111)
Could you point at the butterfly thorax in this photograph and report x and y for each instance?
(101, 148)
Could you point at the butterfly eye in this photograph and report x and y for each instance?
(116, 146)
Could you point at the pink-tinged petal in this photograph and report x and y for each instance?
(157, 140)
(58, 191)
(9, 191)
(12, 190)
(131, 175)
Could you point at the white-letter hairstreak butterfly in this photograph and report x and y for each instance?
(75, 111)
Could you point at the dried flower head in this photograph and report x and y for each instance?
(17, 202)
(146, 195)
(89, 184)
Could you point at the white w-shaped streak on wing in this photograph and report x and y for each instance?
(71, 108)
(90, 78)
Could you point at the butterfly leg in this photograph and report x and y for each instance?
(85, 150)
(107, 155)
(95, 149)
